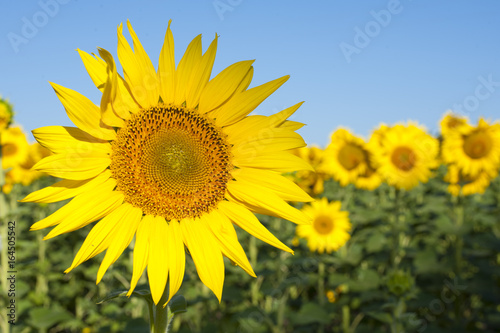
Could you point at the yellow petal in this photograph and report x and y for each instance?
(201, 75)
(66, 189)
(222, 87)
(96, 67)
(158, 256)
(176, 258)
(243, 103)
(99, 238)
(141, 253)
(185, 69)
(259, 196)
(88, 213)
(224, 232)
(274, 181)
(138, 70)
(281, 161)
(121, 237)
(292, 125)
(59, 139)
(205, 252)
(166, 68)
(247, 221)
(268, 140)
(83, 113)
(76, 166)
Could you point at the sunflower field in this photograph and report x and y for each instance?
(184, 199)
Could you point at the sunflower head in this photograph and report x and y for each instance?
(452, 122)
(345, 157)
(474, 149)
(311, 181)
(330, 227)
(462, 184)
(405, 155)
(6, 114)
(172, 158)
(15, 147)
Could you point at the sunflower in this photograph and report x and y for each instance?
(345, 157)
(405, 155)
(330, 227)
(311, 181)
(452, 122)
(467, 185)
(23, 173)
(173, 158)
(474, 149)
(15, 147)
(6, 114)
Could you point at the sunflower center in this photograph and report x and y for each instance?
(403, 158)
(477, 145)
(9, 149)
(323, 224)
(171, 162)
(350, 156)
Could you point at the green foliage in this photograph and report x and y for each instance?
(418, 261)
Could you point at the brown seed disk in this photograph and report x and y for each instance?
(171, 162)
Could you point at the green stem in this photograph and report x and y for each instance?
(321, 283)
(459, 221)
(346, 319)
(163, 316)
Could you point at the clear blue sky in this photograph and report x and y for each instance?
(354, 63)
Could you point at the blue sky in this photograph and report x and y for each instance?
(354, 63)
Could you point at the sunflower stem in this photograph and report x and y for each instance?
(459, 220)
(163, 316)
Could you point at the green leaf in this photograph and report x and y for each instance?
(43, 318)
(177, 304)
(311, 313)
(142, 293)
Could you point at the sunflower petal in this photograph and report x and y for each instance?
(259, 196)
(281, 161)
(96, 67)
(188, 64)
(66, 189)
(245, 102)
(141, 253)
(76, 166)
(205, 252)
(223, 86)
(59, 139)
(225, 234)
(99, 238)
(138, 70)
(176, 258)
(121, 237)
(166, 68)
(246, 220)
(158, 256)
(201, 75)
(83, 113)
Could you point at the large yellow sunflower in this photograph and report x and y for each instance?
(172, 157)
(474, 149)
(345, 157)
(405, 155)
(15, 147)
(330, 227)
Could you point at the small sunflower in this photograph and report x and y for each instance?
(467, 185)
(311, 181)
(6, 114)
(173, 158)
(405, 155)
(474, 149)
(15, 147)
(345, 157)
(330, 227)
(452, 122)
